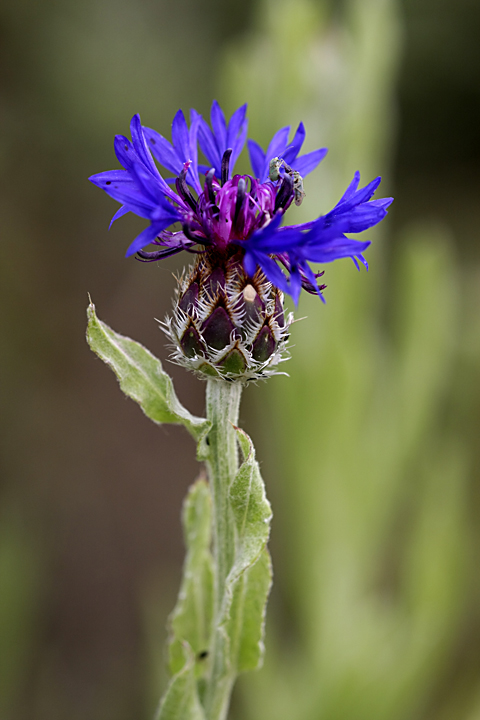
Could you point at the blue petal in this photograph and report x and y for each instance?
(273, 242)
(235, 123)
(257, 158)
(103, 179)
(236, 134)
(132, 198)
(350, 189)
(250, 263)
(219, 126)
(214, 144)
(238, 146)
(294, 148)
(180, 137)
(306, 163)
(275, 149)
(163, 151)
(382, 202)
(145, 238)
(273, 272)
(301, 226)
(120, 213)
(324, 230)
(364, 194)
(149, 186)
(185, 149)
(165, 214)
(209, 148)
(365, 216)
(295, 284)
(192, 175)
(140, 144)
(360, 196)
(260, 238)
(125, 151)
(339, 248)
(127, 156)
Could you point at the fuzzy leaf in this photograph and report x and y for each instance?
(181, 699)
(141, 376)
(249, 580)
(250, 507)
(247, 614)
(192, 617)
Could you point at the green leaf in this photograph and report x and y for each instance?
(141, 376)
(191, 619)
(181, 701)
(249, 581)
(250, 507)
(248, 616)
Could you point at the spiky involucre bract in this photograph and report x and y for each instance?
(227, 325)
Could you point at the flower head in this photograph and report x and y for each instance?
(233, 224)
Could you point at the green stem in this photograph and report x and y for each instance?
(223, 401)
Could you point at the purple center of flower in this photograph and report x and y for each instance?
(228, 211)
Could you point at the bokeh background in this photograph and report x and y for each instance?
(369, 450)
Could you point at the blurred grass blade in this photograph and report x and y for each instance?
(141, 376)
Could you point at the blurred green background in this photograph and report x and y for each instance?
(369, 450)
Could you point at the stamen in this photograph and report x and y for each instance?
(241, 191)
(193, 236)
(226, 165)
(285, 193)
(209, 183)
(183, 190)
(145, 256)
(211, 195)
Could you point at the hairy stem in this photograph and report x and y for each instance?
(223, 401)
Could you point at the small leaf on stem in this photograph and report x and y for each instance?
(141, 376)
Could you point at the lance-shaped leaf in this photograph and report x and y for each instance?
(245, 624)
(241, 627)
(181, 701)
(191, 620)
(257, 584)
(141, 376)
(251, 509)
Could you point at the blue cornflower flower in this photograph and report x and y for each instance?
(229, 319)
(235, 216)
